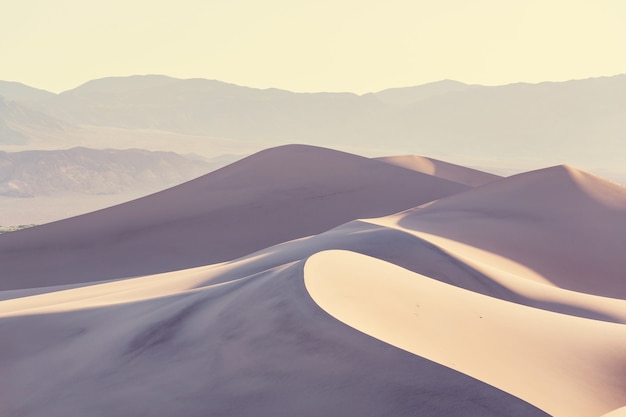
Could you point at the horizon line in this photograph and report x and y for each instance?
(308, 91)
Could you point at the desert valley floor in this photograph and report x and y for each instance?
(303, 281)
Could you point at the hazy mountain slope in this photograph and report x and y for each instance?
(517, 120)
(14, 116)
(208, 107)
(15, 91)
(271, 197)
(577, 122)
(90, 171)
(403, 96)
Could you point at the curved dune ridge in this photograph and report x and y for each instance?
(181, 344)
(441, 169)
(288, 295)
(273, 196)
(575, 371)
(558, 225)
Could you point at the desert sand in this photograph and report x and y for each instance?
(270, 197)
(441, 169)
(575, 371)
(304, 281)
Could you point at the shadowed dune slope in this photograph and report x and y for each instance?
(557, 225)
(253, 345)
(273, 196)
(441, 169)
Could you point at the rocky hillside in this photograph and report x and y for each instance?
(91, 171)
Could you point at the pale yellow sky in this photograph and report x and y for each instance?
(314, 45)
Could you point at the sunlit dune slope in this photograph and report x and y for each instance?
(567, 366)
(621, 412)
(557, 225)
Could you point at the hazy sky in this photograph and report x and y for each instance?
(314, 45)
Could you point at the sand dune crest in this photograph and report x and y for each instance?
(271, 197)
(564, 226)
(567, 366)
(442, 169)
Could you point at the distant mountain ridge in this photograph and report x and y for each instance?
(578, 122)
(14, 115)
(90, 171)
(403, 96)
(21, 92)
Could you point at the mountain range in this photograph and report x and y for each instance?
(89, 171)
(578, 122)
(194, 261)
(39, 186)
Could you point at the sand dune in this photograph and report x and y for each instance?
(575, 371)
(621, 412)
(441, 169)
(271, 197)
(179, 344)
(557, 225)
(504, 299)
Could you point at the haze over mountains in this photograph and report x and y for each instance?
(529, 125)
(505, 129)
(42, 186)
(14, 115)
(90, 171)
(307, 281)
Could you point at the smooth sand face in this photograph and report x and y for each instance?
(498, 300)
(556, 225)
(621, 412)
(254, 344)
(271, 197)
(575, 371)
(441, 169)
